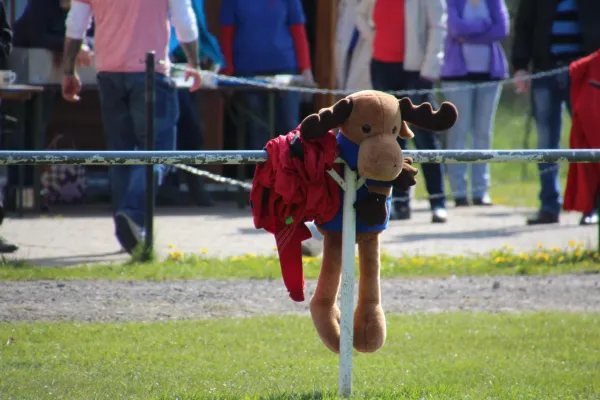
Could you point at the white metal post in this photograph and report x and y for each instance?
(347, 284)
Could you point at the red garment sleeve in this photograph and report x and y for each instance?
(227, 33)
(298, 33)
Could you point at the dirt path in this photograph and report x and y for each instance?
(103, 301)
(81, 237)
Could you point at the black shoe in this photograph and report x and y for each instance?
(128, 233)
(543, 217)
(461, 202)
(6, 247)
(590, 218)
(402, 212)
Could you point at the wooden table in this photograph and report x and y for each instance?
(21, 94)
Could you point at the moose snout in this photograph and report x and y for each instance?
(380, 158)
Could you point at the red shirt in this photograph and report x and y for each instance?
(388, 43)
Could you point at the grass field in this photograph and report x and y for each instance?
(508, 185)
(573, 258)
(445, 356)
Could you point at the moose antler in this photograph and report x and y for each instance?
(424, 117)
(317, 125)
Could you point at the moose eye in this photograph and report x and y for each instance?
(366, 128)
(394, 129)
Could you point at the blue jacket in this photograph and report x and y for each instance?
(209, 46)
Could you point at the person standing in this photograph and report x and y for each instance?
(408, 49)
(266, 37)
(124, 32)
(473, 55)
(550, 34)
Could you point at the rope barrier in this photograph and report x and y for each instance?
(269, 83)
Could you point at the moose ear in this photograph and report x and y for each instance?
(317, 125)
(424, 117)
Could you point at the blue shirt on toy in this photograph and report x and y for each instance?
(348, 151)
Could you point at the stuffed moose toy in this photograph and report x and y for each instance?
(295, 185)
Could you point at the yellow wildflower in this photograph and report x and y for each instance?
(203, 251)
(540, 245)
(572, 243)
(171, 246)
(556, 249)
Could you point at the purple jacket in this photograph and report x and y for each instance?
(476, 32)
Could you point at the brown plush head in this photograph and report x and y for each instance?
(373, 120)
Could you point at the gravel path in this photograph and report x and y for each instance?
(103, 301)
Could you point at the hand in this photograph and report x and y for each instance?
(522, 85)
(71, 87)
(84, 57)
(307, 75)
(407, 177)
(195, 75)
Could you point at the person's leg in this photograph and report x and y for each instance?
(258, 132)
(190, 136)
(548, 117)
(118, 130)
(463, 99)
(484, 111)
(165, 122)
(287, 108)
(390, 77)
(427, 140)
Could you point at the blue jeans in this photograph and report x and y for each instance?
(287, 112)
(123, 102)
(549, 94)
(476, 113)
(387, 76)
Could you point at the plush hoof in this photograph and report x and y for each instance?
(369, 328)
(326, 318)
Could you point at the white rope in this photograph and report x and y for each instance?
(248, 186)
(271, 83)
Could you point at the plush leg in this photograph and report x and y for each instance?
(323, 307)
(369, 319)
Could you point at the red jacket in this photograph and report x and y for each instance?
(583, 179)
(288, 191)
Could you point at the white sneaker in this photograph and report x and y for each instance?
(313, 246)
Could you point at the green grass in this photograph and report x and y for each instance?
(438, 356)
(514, 184)
(572, 259)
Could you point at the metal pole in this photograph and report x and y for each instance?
(150, 102)
(347, 300)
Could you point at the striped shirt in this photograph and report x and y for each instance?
(566, 37)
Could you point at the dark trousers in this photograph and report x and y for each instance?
(123, 102)
(386, 76)
(190, 135)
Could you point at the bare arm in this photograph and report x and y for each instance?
(184, 20)
(70, 52)
(191, 53)
(77, 24)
